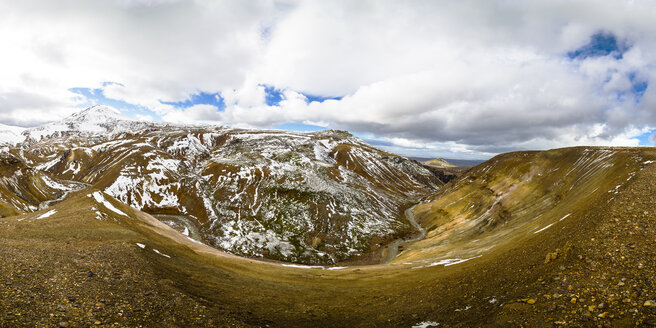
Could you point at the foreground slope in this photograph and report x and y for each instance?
(562, 237)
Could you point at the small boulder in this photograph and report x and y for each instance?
(550, 257)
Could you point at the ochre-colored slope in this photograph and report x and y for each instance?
(24, 189)
(514, 196)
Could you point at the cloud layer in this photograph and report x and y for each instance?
(465, 77)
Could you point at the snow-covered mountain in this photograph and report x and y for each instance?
(11, 135)
(93, 121)
(96, 120)
(316, 197)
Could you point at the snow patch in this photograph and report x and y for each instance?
(446, 262)
(195, 241)
(45, 215)
(300, 266)
(543, 228)
(54, 184)
(142, 246)
(160, 253)
(101, 199)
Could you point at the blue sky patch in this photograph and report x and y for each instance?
(104, 84)
(201, 98)
(638, 86)
(644, 138)
(376, 142)
(97, 97)
(320, 99)
(273, 96)
(601, 44)
(300, 127)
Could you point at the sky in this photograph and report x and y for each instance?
(454, 79)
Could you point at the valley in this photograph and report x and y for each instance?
(316, 198)
(204, 226)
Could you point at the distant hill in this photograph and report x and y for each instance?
(452, 161)
(439, 162)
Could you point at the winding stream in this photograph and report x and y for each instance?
(393, 248)
(47, 203)
(180, 221)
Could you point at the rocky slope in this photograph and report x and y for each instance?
(316, 198)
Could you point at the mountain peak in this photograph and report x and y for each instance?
(99, 119)
(97, 114)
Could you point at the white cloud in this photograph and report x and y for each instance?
(203, 114)
(159, 50)
(251, 94)
(472, 76)
(143, 117)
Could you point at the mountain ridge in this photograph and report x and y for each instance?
(315, 198)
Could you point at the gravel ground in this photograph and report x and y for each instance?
(52, 283)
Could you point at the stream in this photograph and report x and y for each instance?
(393, 248)
(180, 223)
(47, 203)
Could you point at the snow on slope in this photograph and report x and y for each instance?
(11, 135)
(307, 181)
(93, 120)
(96, 120)
(101, 200)
(305, 197)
